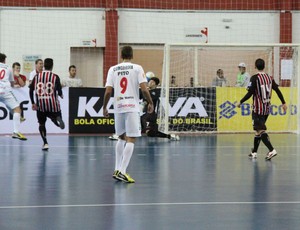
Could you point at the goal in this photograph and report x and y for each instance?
(191, 101)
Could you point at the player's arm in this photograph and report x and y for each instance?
(21, 80)
(250, 92)
(279, 94)
(31, 94)
(11, 78)
(107, 95)
(108, 91)
(58, 87)
(147, 96)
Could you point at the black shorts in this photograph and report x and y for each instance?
(259, 121)
(149, 122)
(42, 116)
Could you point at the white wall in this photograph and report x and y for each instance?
(296, 27)
(161, 27)
(49, 33)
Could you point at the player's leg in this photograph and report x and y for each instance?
(12, 104)
(266, 140)
(56, 118)
(42, 117)
(133, 130)
(257, 138)
(120, 145)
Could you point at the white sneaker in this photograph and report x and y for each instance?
(271, 154)
(252, 155)
(114, 137)
(45, 147)
(174, 137)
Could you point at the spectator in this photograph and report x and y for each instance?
(219, 80)
(39, 65)
(173, 81)
(20, 80)
(243, 77)
(72, 81)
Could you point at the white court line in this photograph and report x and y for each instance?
(151, 147)
(148, 204)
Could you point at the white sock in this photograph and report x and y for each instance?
(127, 153)
(119, 153)
(16, 122)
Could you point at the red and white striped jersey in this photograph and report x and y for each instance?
(47, 88)
(261, 86)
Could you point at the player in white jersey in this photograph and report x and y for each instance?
(8, 98)
(126, 78)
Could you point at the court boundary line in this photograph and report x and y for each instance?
(149, 204)
(143, 146)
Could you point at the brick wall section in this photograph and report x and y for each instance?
(111, 37)
(161, 4)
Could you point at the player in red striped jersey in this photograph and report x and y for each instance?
(47, 88)
(260, 87)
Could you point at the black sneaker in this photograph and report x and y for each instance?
(115, 174)
(60, 122)
(125, 177)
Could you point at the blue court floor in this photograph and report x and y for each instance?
(199, 182)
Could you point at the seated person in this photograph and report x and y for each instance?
(19, 81)
(219, 80)
(71, 81)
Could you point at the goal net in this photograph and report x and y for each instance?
(202, 84)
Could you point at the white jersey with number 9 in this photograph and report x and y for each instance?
(6, 77)
(125, 78)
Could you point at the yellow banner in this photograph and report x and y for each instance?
(233, 119)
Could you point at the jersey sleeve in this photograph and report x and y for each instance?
(10, 75)
(58, 86)
(250, 88)
(109, 79)
(31, 90)
(251, 84)
(31, 75)
(141, 75)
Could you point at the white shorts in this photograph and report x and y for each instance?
(9, 99)
(129, 123)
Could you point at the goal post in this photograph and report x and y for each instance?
(191, 102)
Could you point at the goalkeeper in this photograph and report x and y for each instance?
(149, 124)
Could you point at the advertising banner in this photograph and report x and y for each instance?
(192, 109)
(233, 119)
(30, 125)
(86, 111)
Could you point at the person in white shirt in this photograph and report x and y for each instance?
(71, 81)
(125, 79)
(39, 65)
(220, 80)
(8, 98)
(243, 77)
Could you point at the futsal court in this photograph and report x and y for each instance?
(199, 182)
